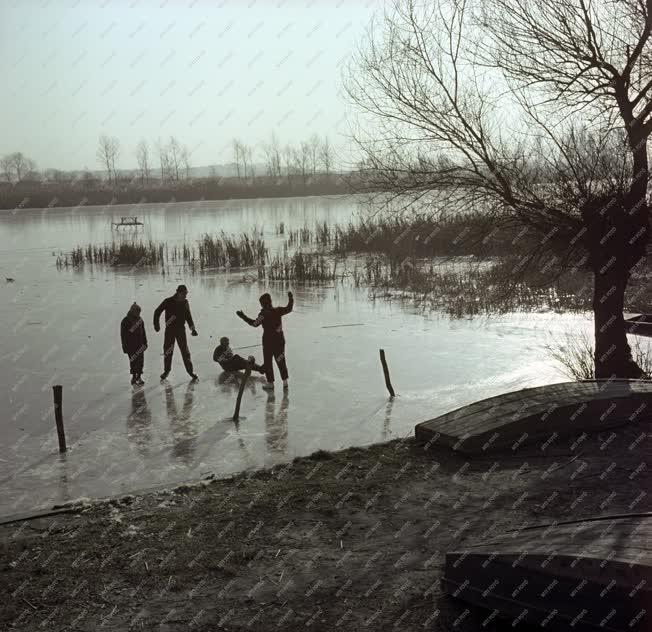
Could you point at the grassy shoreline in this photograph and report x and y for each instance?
(351, 540)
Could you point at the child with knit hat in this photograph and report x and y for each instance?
(134, 342)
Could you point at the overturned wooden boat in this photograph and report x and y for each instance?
(539, 415)
(639, 324)
(591, 574)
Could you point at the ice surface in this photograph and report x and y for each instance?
(62, 327)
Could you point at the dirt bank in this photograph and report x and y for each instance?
(353, 540)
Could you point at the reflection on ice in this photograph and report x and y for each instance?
(139, 422)
(388, 418)
(276, 428)
(182, 425)
(63, 482)
(228, 382)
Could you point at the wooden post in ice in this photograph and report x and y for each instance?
(247, 373)
(58, 416)
(388, 382)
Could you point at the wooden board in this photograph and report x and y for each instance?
(594, 574)
(532, 415)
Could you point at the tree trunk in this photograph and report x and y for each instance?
(616, 236)
(613, 355)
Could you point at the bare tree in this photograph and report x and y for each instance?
(6, 169)
(326, 156)
(238, 155)
(248, 160)
(164, 161)
(114, 156)
(142, 156)
(289, 159)
(174, 157)
(104, 154)
(269, 161)
(313, 145)
(23, 166)
(107, 153)
(302, 160)
(275, 150)
(462, 97)
(272, 154)
(16, 167)
(185, 161)
(244, 158)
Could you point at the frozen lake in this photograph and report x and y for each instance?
(62, 327)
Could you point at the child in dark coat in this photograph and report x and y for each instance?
(134, 342)
(230, 361)
(270, 318)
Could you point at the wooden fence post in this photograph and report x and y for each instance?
(58, 416)
(388, 382)
(247, 373)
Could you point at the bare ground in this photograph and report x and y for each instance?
(353, 540)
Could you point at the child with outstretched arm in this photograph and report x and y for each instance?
(270, 318)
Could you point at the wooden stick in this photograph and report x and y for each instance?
(58, 416)
(346, 325)
(388, 382)
(247, 373)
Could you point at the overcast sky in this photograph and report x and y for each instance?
(204, 71)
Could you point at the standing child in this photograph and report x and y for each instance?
(177, 314)
(273, 338)
(134, 342)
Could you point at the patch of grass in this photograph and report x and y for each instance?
(574, 353)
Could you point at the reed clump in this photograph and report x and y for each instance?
(124, 253)
(438, 263)
(299, 237)
(466, 288)
(418, 237)
(211, 251)
(230, 252)
(300, 266)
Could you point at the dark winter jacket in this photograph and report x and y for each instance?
(222, 353)
(132, 334)
(177, 313)
(271, 320)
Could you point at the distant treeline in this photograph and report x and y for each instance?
(308, 168)
(93, 193)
